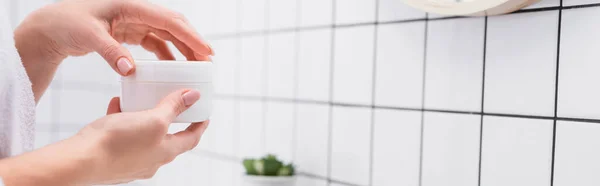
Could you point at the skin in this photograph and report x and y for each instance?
(120, 147)
(49, 35)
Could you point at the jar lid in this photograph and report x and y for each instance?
(171, 71)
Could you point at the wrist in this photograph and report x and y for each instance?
(69, 162)
(34, 47)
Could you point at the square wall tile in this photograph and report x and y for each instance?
(44, 109)
(227, 17)
(353, 65)
(576, 154)
(81, 107)
(251, 63)
(281, 63)
(396, 147)
(253, 14)
(186, 169)
(577, 97)
(306, 181)
(316, 12)
(42, 138)
(314, 62)
(579, 2)
(226, 66)
(450, 149)
(91, 68)
(354, 11)
(399, 66)
(223, 127)
(279, 129)
(521, 63)
(454, 64)
(312, 138)
(24, 8)
(394, 10)
(282, 14)
(544, 3)
(350, 148)
(516, 151)
(204, 21)
(251, 117)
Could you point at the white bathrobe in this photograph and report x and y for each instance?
(17, 105)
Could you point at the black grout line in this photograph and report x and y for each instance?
(266, 31)
(373, 88)
(331, 72)
(485, 27)
(556, 95)
(423, 89)
(255, 98)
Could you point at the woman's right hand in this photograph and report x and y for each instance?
(118, 148)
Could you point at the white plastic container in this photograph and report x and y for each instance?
(153, 80)
(249, 180)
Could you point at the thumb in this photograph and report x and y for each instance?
(175, 103)
(114, 106)
(117, 56)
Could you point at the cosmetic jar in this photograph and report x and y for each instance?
(154, 80)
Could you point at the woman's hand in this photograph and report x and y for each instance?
(118, 148)
(77, 27)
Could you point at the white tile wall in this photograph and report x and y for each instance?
(578, 67)
(281, 65)
(579, 2)
(313, 66)
(226, 72)
(282, 14)
(312, 135)
(399, 68)
(516, 151)
(521, 63)
(293, 83)
(576, 161)
(253, 15)
(396, 146)
(450, 149)
(251, 121)
(279, 129)
(353, 64)
(251, 61)
(392, 10)
(315, 12)
(454, 64)
(354, 11)
(350, 144)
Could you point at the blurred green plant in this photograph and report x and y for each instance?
(268, 165)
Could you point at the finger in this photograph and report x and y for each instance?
(204, 58)
(187, 139)
(175, 103)
(184, 49)
(157, 46)
(117, 56)
(158, 17)
(114, 106)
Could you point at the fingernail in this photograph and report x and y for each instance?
(124, 65)
(190, 97)
(212, 52)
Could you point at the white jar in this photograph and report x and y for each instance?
(153, 80)
(250, 180)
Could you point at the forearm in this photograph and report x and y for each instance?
(39, 62)
(59, 164)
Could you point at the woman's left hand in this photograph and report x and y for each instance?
(78, 27)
